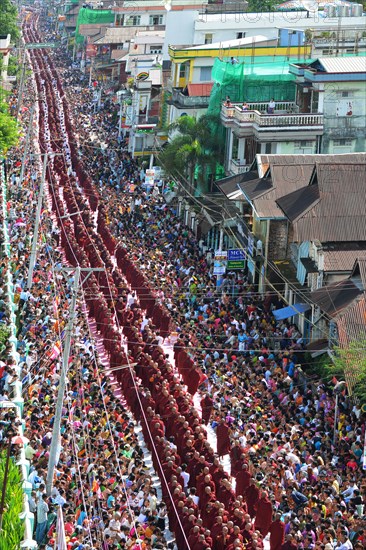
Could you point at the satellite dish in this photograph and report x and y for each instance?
(309, 5)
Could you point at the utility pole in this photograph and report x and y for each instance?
(62, 385)
(337, 390)
(91, 71)
(21, 86)
(32, 259)
(26, 147)
(52, 461)
(120, 117)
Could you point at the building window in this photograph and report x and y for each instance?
(133, 20)
(208, 38)
(156, 49)
(342, 143)
(155, 20)
(205, 74)
(240, 35)
(183, 70)
(303, 144)
(304, 147)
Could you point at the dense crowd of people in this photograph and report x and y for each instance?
(233, 371)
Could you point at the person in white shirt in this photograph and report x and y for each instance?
(344, 542)
(185, 476)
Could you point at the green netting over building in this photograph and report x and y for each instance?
(253, 82)
(87, 16)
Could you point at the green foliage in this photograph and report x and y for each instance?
(318, 366)
(8, 20)
(8, 130)
(13, 529)
(350, 364)
(308, 35)
(13, 66)
(260, 6)
(194, 150)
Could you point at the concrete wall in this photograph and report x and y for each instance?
(225, 26)
(179, 29)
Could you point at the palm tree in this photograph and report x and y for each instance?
(193, 151)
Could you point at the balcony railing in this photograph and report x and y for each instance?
(255, 118)
(150, 119)
(186, 101)
(282, 107)
(238, 166)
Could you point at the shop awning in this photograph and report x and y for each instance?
(290, 311)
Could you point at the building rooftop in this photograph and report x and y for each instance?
(340, 64)
(229, 44)
(339, 214)
(341, 257)
(333, 298)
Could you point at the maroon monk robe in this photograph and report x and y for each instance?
(263, 516)
(223, 439)
(242, 482)
(277, 534)
(252, 497)
(206, 406)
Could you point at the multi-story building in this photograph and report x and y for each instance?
(5, 47)
(201, 26)
(307, 220)
(335, 87)
(327, 115)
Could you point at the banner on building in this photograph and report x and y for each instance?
(235, 258)
(220, 261)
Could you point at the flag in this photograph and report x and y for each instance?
(55, 351)
(60, 531)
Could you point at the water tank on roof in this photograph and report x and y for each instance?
(342, 11)
(357, 10)
(331, 11)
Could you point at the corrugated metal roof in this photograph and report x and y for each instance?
(341, 260)
(352, 323)
(360, 267)
(339, 216)
(230, 183)
(351, 326)
(256, 187)
(297, 203)
(286, 160)
(333, 298)
(285, 180)
(343, 64)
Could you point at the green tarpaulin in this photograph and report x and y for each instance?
(252, 82)
(87, 16)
